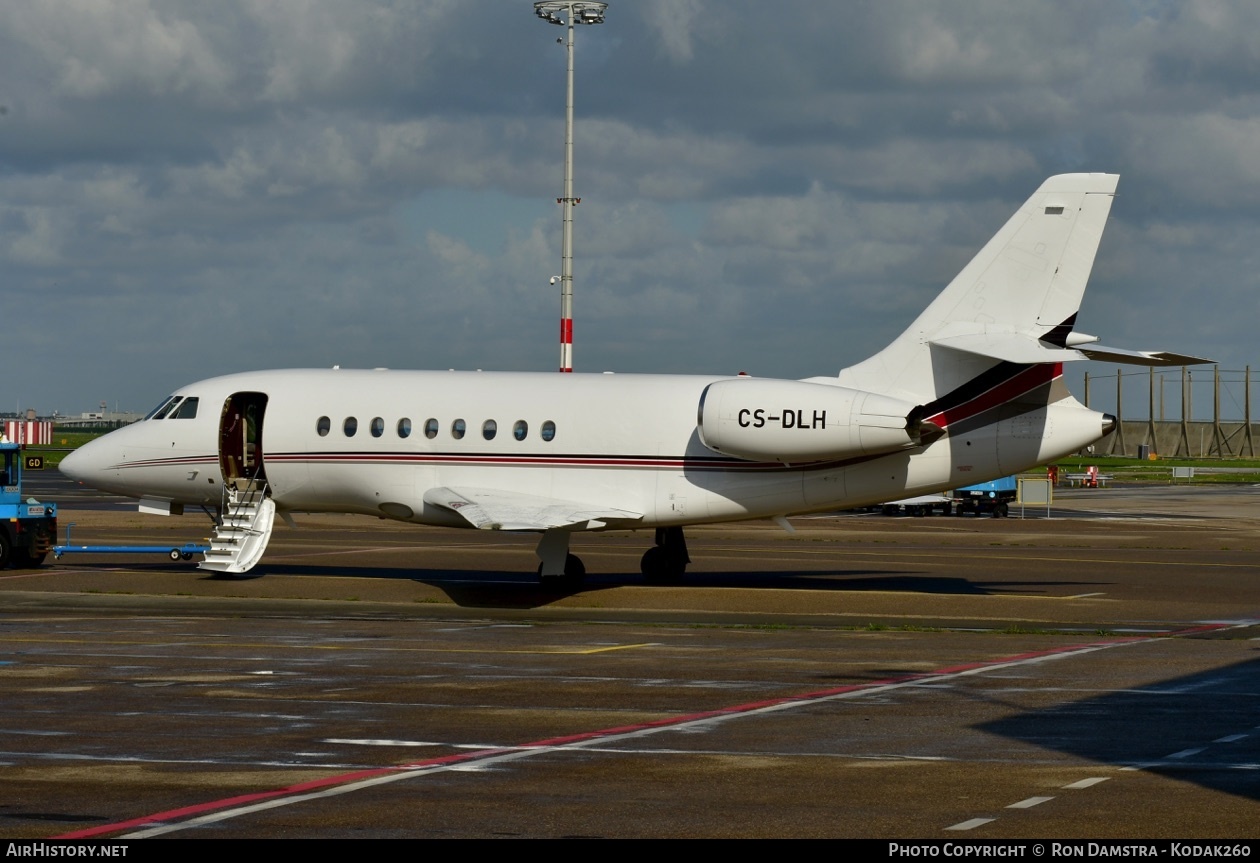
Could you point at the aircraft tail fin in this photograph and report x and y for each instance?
(1015, 302)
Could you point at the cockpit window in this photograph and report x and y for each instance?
(187, 409)
(167, 408)
(165, 402)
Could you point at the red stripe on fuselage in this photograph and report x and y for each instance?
(1026, 380)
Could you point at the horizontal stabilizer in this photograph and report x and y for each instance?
(492, 509)
(1010, 347)
(1027, 349)
(1141, 358)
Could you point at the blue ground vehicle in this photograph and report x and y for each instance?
(986, 498)
(28, 528)
(983, 498)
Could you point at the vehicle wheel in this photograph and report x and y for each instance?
(23, 559)
(1003, 511)
(174, 554)
(660, 567)
(6, 550)
(186, 556)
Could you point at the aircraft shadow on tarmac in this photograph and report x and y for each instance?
(516, 589)
(1180, 728)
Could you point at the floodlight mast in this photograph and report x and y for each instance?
(567, 13)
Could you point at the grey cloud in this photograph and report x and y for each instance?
(778, 188)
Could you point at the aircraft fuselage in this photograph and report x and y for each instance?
(374, 442)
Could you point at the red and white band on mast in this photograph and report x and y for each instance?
(566, 344)
(568, 13)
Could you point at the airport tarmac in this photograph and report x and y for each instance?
(1092, 674)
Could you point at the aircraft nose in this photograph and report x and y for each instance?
(86, 463)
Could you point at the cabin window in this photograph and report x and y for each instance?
(350, 426)
(166, 409)
(404, 427)
(548, 430)
(430, 428)
(521, 430)
(377, 427)
(166, 401)
(187, 410)
(458, 428)
(322, 425)
(489, 429)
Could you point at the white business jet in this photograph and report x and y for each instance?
(972, 391)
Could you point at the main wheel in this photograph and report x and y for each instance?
(574, 574)
(660, 567)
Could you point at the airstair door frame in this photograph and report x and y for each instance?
(241, 437)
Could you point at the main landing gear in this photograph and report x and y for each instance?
(559, 569)
(666, 562)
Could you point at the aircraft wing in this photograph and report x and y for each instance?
(492, 509)
(1025, 349)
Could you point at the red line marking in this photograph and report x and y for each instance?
(343, 778)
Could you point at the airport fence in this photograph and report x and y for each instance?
(1184, 412)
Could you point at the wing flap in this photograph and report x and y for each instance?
(494, 509)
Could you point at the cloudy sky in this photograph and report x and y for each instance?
(189, 189)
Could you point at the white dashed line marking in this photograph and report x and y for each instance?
(1232, 738)
(1029, 803)
(1087, 783)
(970, 824)
(1186, 753)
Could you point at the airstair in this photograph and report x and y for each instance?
(241, 536)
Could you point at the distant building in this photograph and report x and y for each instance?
(99, 419)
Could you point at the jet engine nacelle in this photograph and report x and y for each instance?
(798, 421)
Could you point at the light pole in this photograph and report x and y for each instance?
(568, 13)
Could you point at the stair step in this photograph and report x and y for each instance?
(245, 529)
